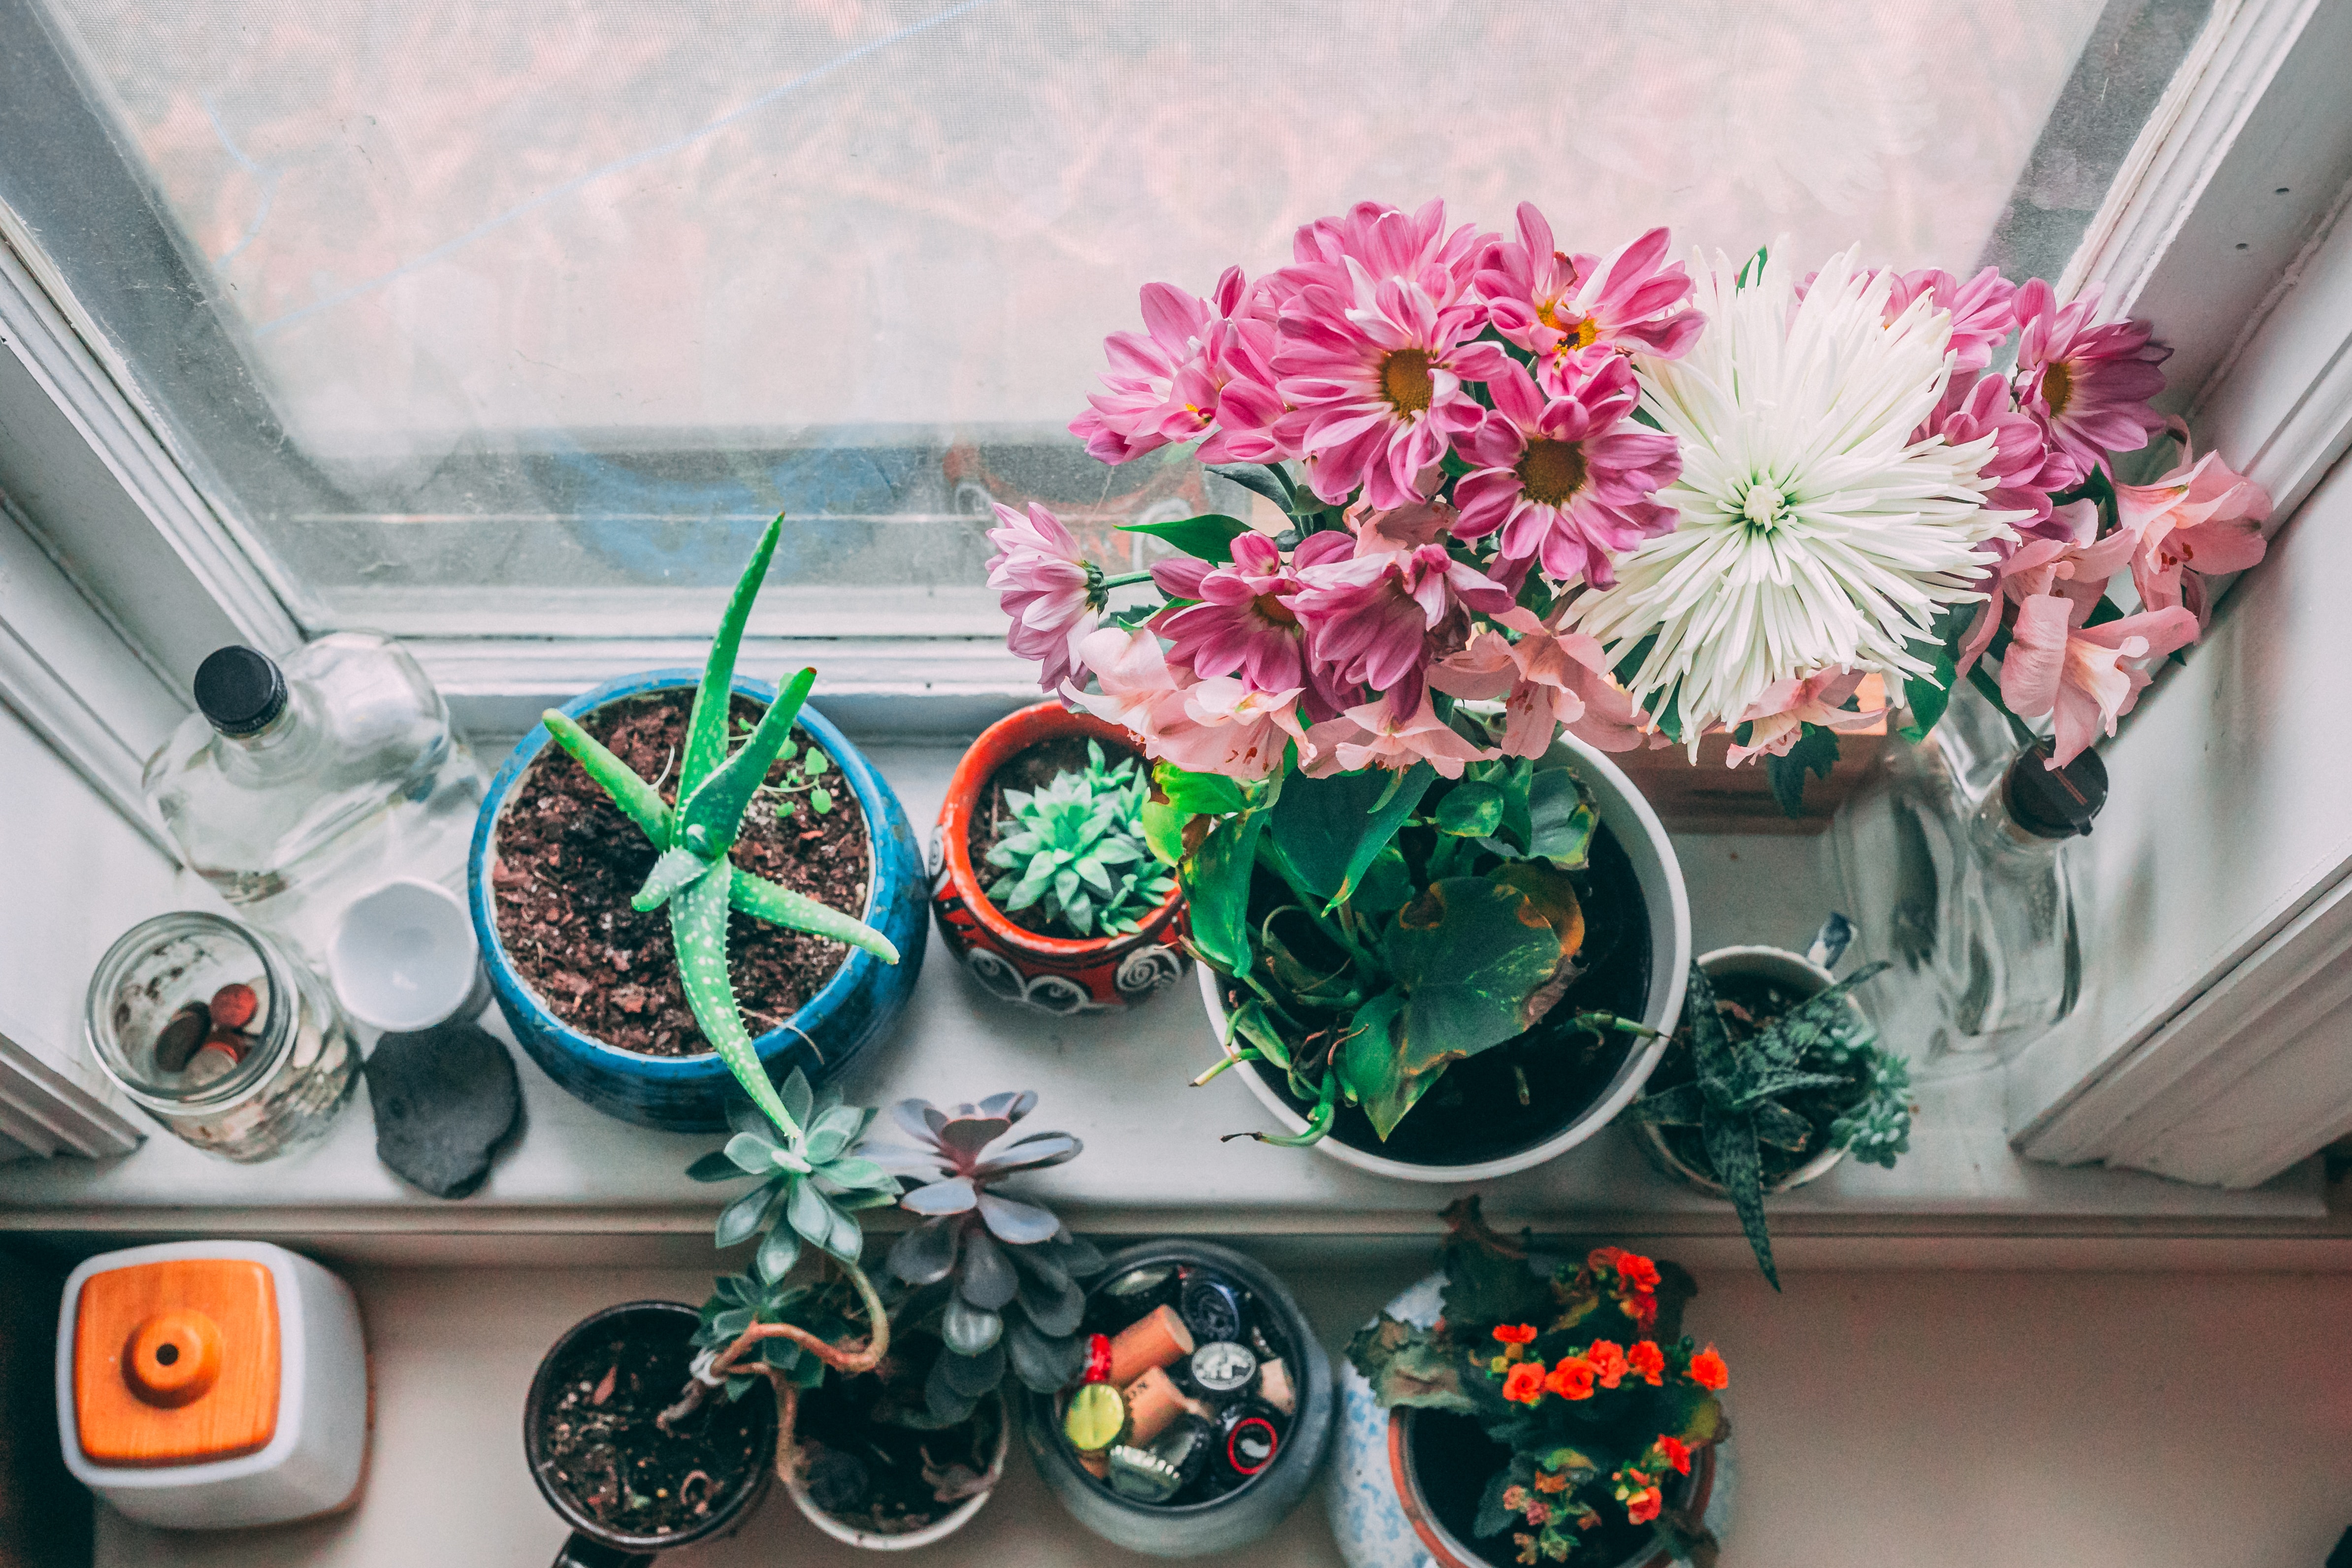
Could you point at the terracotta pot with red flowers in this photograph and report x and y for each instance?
(1041, 880)
(1502, 1412)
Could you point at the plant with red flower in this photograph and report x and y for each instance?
(1524, 1383)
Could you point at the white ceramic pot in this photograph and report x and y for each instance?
(1637, 830)
(1781, 967)
(938, 1529)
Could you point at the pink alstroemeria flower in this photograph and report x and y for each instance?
(1786, 707)
(1554, 305)
(1973, 407)
(1380, 620)
(2199, 520)
(1566, 479)
(1044, 585)
(1548, 681)
(1140, 693)
(1233, 729)
(2084, 677)
(1376, 369)
(2066, 558)
(1242, 623)
(2086, 383)
(1372, 736)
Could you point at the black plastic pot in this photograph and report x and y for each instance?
(591, 1545)
(1241, 1516)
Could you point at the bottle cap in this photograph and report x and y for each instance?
(1212, 1310)
(2054, 803)
(239, 691)
(1223, 1367)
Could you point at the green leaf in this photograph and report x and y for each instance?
(821, 800)
(1816, 751)
(1216, 880)
(1387, 886)
(713, 813)
(751, 1154)
(706, 730)
(1928, 695)
(1317, 824)
(1209, 795)
(1206, 538)
(638, 801)
(1681, 1106)
(672, 869)
(1163, 831)
(1259, 478)
(1372, 1063)
(714, 1166)
(1470, 810)
(1731, 1150)
(1406, 1365)
(1470, 953)
(739, 1221)
(766, 900)
(779, 1250)
(1404, 797)
(697, 925)
(1561, 819)
(1782, 1128)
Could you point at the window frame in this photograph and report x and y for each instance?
(2252, 283)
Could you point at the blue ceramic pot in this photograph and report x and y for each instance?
(689, 1094)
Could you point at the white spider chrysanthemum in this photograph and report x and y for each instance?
(1813, 534)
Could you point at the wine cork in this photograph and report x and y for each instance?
(1152, 1340)
(1273, 1386)
(1153, 1402)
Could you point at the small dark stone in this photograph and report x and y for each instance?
(444, 1099)
(183, 1037)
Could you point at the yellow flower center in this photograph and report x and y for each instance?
(1404, 380)
(1580, 331)
(1551, 471)
(2057, 386)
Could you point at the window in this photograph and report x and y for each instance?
(506, 321)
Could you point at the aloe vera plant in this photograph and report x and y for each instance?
(693, 877)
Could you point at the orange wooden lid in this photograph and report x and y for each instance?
(176, 1363)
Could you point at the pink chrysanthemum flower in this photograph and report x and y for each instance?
(1387, 244)
(1554, 305)
(1380, 620)
(1046, 586)
(2086, 383)
(1983, 309)
(1240, 625)
(1164, 382)
(1973, 407)
(1376, 372)
(1566, 479)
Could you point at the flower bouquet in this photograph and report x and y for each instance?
(1597, 1411)
(1503, 492)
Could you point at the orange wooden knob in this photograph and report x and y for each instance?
(173, 1358)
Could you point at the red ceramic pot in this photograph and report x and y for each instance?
(1059, 975)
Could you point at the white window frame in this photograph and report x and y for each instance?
(2251, 284)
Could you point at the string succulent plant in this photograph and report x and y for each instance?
(1000, 1275)
(1765, 1096)
(693, 877)
(1078, 852)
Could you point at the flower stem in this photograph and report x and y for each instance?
(1125, 579)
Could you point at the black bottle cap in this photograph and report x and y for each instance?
(239, 691)
(2054, 803)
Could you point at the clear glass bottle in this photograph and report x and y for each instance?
(220, 1034)
(1950, 860)
(297, 787)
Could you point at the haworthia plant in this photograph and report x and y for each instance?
(694, 877)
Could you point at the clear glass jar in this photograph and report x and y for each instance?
(221, 1036)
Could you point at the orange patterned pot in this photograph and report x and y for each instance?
(1057, 974)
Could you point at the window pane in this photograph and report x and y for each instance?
(571, 298)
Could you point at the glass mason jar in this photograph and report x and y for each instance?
(220, 1035)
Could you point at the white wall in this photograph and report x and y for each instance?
(76, 877)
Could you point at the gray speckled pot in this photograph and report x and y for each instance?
(1241, 1516)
